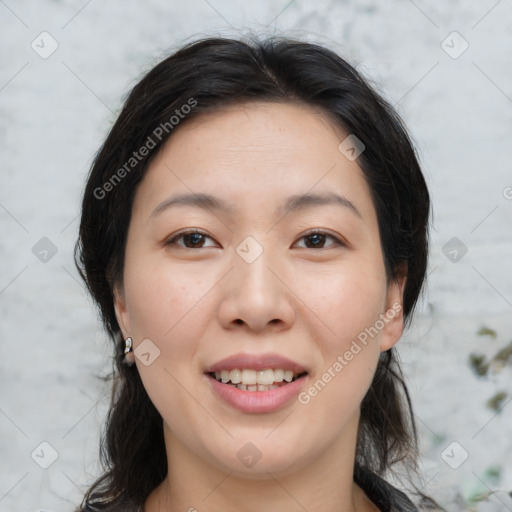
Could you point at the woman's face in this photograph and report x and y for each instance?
(255, 295)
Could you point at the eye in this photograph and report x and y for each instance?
(317, 239)
(193, 239)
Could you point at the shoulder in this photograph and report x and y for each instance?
(387, 497)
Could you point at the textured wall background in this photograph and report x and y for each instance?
(446, 66)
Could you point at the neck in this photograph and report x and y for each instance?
(323, 484)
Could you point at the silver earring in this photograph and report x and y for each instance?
(129, 356)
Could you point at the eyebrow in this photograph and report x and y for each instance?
(292, 204)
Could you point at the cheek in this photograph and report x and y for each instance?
(162, 301)
(167, 307)
(348, 300)
(351, 305)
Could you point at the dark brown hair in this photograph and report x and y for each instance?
(204, 76)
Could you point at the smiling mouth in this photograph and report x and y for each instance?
(256, 380)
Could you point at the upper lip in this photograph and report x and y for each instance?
(255, 362)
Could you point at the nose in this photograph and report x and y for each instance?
(256, 295)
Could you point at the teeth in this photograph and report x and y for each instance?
(260, 387)
(288, 375)
(265, 377)
(249, 377)
(253, 380)
(235, 376)
(278, 375)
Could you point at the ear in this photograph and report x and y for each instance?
(393, 316)
(121, 311)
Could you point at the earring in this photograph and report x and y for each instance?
(129, 356)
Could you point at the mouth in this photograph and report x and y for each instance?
(256, 383)
(247, 379)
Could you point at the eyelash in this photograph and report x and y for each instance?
(173, 240)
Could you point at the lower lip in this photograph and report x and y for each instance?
(257, 401)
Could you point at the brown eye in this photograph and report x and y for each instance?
(317, 239)
(191, 239)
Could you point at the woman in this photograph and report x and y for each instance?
(255, 233)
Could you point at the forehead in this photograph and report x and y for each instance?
(256, 154)
(258, 127)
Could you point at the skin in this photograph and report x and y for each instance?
(198, 301)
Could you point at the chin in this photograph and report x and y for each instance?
(252, 464)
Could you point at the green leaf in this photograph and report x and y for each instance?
(478, 364)
(496, 402)
(486, 331)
